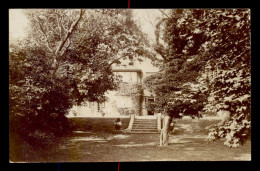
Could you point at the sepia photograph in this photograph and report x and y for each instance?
(129, 85)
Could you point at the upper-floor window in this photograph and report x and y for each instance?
(129, 76)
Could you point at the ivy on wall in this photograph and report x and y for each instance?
(135, 91)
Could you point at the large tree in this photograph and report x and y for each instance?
(230, 89)
(178, 44)
(188, 41)
(65, 60)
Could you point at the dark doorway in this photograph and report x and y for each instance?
(150, 101)
(150, 112)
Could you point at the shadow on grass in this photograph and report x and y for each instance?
(95, 140)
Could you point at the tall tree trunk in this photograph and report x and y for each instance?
(164, 137)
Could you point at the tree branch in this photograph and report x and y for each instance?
(66, 47)
(109, 66)
(164, 13)
(159, 50)
(43, 32)
(69, 33)
(65, 30)
(58, 22)
(150, 20)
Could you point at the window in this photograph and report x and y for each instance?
(102, 105)
(129, 76)
(134, 76)
(91, 104)
(125, 76)
(124, 101)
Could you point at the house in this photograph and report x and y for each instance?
(129, 98)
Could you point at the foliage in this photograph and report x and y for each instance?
(231, 87)
(65, 61)
(177, 41)
(189, 41)
(37, 103)
(135, 92)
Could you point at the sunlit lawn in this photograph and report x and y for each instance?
(187, 143)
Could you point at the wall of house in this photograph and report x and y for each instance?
(128, 99)
(130, 77)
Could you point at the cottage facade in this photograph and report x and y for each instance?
(129, 98)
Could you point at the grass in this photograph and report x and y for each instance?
(97, 124)
(94, 140)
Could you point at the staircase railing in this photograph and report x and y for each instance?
(131, 122)
(159, 126)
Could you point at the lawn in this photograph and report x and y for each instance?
(94, 140)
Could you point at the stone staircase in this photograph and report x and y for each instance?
(147, 126)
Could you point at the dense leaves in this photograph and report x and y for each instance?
(231, 87)
(177, 42)
(193, 44)
(66, 60)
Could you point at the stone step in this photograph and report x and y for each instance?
(134, 131)
(145, 126)
(144, 123)
(152, 125)
(146, 129)
(155, 126)
(148, 120)
(143, 132)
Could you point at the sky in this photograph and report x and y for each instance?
(146, 17)
(17, 24)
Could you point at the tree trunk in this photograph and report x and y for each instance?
(164, 137)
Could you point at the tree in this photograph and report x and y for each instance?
(66, 60)
(190, 40)
(231, 87)
(178, 44)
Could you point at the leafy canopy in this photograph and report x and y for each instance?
(189, 41)
(66, 60)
